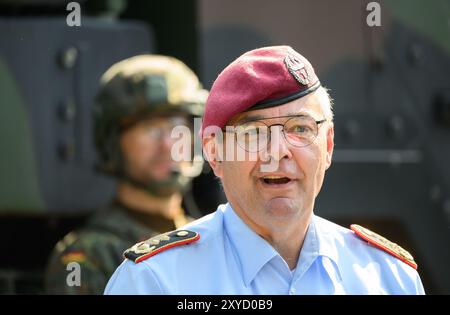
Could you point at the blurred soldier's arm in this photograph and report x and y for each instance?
(82, 263)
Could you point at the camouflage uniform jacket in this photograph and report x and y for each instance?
(98, 248)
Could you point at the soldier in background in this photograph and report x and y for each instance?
(141, 100)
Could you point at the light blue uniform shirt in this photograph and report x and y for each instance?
(230, 258)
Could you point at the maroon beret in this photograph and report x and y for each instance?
(260, 78)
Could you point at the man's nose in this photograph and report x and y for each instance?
(278, 147)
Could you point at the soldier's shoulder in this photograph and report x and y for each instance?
(202, 234)
(373, 239)
(157, 244)
(79, 245)
(88, 237)
(358, 239)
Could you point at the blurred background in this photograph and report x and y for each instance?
(390, 83)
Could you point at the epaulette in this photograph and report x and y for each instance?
(159, 243)
(384, 244)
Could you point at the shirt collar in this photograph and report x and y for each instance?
(319, 241)
(253, 251)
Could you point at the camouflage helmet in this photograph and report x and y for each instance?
(136, 88)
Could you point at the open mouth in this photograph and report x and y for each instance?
(276, 180)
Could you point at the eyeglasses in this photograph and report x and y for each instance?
(255, 135)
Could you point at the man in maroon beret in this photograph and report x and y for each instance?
(268, 135)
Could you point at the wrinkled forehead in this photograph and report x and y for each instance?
(312, 105)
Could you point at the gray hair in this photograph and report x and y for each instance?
(326, 101)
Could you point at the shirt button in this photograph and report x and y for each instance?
(292, 291)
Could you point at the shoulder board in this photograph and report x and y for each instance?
(384, 244)
(159, 243)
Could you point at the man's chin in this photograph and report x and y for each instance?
(282, 207)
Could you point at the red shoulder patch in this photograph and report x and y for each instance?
(144, 250)
(384, 244)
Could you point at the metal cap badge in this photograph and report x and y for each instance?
(297, 69)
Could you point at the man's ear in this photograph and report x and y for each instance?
(213, 154)
(330, 145)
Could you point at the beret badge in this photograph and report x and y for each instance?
(297, 69)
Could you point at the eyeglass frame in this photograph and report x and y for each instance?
(318, 124)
